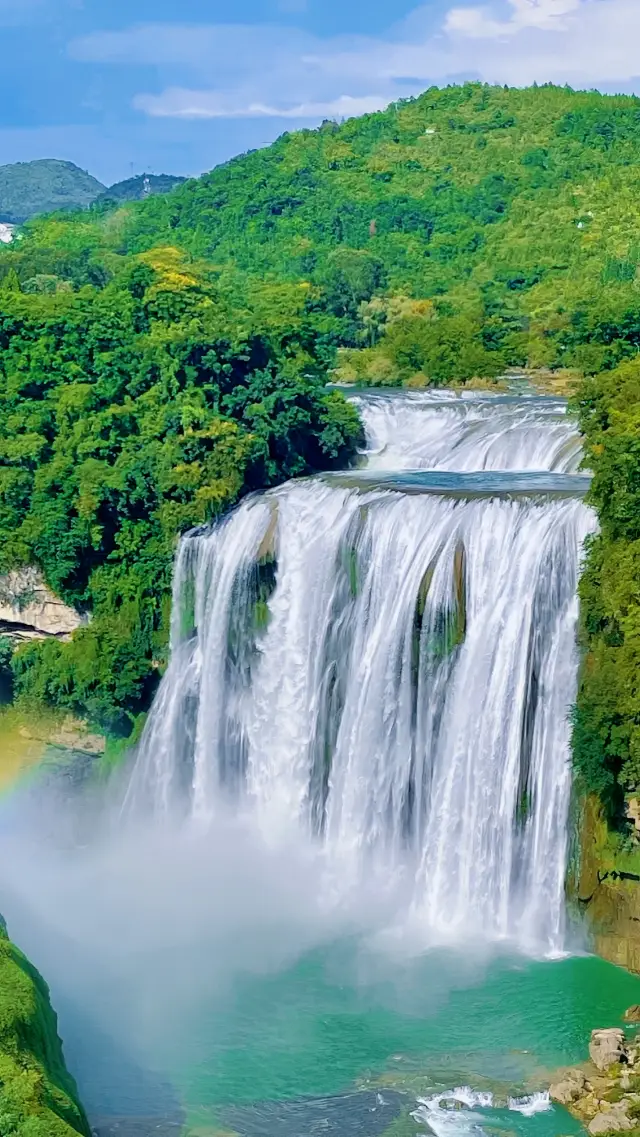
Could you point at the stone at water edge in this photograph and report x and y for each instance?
(607, 1047)
(610, 1123)
(632, 1014)
(569, 1088)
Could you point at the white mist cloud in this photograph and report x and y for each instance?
(282, 72)
(180, 103)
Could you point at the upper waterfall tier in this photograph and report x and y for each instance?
(427, 430)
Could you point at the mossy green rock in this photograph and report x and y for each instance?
(608, 895)
(38, 1096)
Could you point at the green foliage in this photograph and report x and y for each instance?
(606, 733)
(127, 416)
(29, 188)
(38, 1097)
(136, 189)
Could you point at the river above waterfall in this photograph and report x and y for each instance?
(329, 891)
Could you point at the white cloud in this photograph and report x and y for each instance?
(479, 22)
(177, 102)
(235, 71)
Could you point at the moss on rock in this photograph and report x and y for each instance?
(607, 893)
(38, 1096)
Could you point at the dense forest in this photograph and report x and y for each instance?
(131, 413)
(468, 230)
(159, 359)
(606, 734)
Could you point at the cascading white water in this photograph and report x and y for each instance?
(393, 672)
(440, 431)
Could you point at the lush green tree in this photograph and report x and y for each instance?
(128, 415)
(607, 718)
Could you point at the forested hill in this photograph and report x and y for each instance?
(512, 211)
(137, 188)
(29, 188)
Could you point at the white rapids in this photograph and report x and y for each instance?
(392, 673)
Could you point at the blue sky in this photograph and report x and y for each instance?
(176, 86)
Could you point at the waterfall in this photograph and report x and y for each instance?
(392, 672)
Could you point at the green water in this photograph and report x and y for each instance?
(341, 1018)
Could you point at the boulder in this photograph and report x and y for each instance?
(569, 1088)
(610, 1122)
(607, 1047)
(632, 1014)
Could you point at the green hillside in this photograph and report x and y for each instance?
(30, 188)
(512, 212)
(38, 1096)
(138, 189)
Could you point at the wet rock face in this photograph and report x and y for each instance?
(607, 1047)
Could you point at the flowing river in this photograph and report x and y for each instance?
(330, 894)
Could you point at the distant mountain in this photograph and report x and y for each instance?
(47, 185)
(29, 188)
(139, 188)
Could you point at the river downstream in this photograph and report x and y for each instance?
(329, 892)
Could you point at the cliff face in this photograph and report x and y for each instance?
(29, 610)
(607, 895)
(38, 1096)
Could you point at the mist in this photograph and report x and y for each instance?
(147, 932)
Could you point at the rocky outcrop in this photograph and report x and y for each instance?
(613, 1120)
(604, 1093)
(65, 733)
(38, 1096)
(29, 609)
(569, 1088)
(607, 1047)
